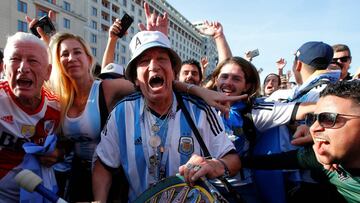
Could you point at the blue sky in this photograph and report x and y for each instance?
(278, 27)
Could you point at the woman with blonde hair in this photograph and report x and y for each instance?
(82, 101)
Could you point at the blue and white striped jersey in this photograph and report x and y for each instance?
(125, 138)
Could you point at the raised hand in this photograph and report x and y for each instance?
(115, 29)
(247, 56)
(204, 63)
(155, 22)
(31, 22)
(281, 63)
(213, 29)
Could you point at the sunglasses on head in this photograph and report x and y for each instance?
(343, 59)
(325, 119)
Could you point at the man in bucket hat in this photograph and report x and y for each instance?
(146, 133)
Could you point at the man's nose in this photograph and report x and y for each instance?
(24, 67)
(153, 65)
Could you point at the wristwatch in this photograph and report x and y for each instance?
(226, 169)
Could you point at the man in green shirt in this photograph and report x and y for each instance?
(335, 154)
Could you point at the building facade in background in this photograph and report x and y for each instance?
(92, 19)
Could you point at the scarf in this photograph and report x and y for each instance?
(31, 162)
(235, 118)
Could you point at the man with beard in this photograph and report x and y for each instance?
(146, 133)
(190, 72)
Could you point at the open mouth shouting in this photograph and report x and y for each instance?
(321, 143)
(156, 82)
(24, 83)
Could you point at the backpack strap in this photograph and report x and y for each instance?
(310, 87)
(104, 113)
(205, 150)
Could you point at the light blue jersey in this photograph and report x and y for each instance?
(84, 130)
(125, 139)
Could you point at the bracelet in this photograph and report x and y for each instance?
(188, 88)
(226, 169)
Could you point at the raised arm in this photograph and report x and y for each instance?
(215, 30)
(111, 43)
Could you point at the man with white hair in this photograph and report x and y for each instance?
(29, 111)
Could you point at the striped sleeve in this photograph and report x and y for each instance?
(267, 115)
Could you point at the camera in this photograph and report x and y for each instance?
(126, 21)
(45, 24)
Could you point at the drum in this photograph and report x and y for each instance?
(174, 189)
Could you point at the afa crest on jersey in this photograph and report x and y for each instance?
(186, 145)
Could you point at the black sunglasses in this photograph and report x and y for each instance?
(343, 59)
(325, 119)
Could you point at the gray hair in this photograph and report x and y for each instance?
(23, 37)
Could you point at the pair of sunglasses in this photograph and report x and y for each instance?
(326, 119)
(343, 59)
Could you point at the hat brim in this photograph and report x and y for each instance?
(110, 76)
(130, 72)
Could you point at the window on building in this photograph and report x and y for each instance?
(123, 60)
(93, 38)
(116, 58)
(125, 3)
(123, 49)
(66, 23)
(67, 6)
(50, 1)
(140, 12)
(94, 24)
(22, 6)
(41, 13)
(93, 51)
(22, 26)
(132, 7)
(132, 30)
(94, 11)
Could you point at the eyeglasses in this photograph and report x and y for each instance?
(343, 59)
(326, 119)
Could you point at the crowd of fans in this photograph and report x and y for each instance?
(110, 133)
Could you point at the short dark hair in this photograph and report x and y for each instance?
(195, 63)
(341, 47)
(276, 75)
(349, 89)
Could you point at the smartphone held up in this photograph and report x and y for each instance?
(45, 24)
(126, 21)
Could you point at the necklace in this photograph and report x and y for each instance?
(157, 142)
